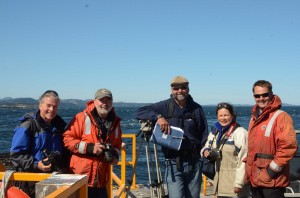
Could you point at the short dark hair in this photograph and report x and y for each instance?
(263, 83)
(225, 105)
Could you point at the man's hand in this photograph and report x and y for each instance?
(164, 125)
(98, 148)
(43, 167)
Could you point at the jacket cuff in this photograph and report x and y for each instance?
(90, 148)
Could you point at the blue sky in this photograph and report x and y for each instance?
(135, 47)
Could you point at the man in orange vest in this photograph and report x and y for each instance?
(94, 138)
(272, 144)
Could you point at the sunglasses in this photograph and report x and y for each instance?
(264, 95)
(176, 88)
(223, 105)
(50, 92)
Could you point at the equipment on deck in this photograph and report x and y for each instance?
(154, 172)
(7, 191)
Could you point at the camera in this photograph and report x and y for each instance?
(214, 154)
(108, 153)
(146, 127)
(53, 158)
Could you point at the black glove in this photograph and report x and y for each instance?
(272, 173)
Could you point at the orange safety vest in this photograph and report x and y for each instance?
(271, 143)
(83, 130)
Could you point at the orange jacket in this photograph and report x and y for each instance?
(280, 144)
(83, 130)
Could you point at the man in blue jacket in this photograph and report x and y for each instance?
(37, 141)
(183, 173)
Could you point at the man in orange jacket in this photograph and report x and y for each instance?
(272, 144)
(94, 138)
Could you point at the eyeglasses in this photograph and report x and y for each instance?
(264, 95)
(50, 92)
(176, 88)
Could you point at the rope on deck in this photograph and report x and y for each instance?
(5, 181)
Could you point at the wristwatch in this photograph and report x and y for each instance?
(159, 116)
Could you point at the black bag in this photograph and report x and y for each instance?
(208, 167)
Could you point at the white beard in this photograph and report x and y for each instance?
(104, 112)
(180, 97)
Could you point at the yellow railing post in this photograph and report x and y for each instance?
(204, 185)
(121, 182)
(133, 186)
(109, 184)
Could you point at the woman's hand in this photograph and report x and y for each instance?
(237, 190)
(206, 153)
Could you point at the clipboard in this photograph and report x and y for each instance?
(171, 141)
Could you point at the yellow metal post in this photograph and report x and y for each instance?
(204, 185)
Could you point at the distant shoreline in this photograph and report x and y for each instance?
(33, 103)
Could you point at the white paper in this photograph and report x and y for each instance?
(171, 141)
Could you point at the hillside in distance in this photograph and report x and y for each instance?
(9, 102)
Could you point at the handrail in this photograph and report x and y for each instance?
(121, 182)
(21, 176)
(65, 190)
(61, 192)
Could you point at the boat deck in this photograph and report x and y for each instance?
(144, 192)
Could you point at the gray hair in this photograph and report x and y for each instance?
(49, 93)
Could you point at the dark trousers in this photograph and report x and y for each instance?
(260, 192)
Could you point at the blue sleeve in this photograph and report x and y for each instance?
(151, 112)
(20, 155)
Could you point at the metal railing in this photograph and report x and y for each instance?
(121, 180)
(61, 192)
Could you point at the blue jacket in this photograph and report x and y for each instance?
(31, 136)
(191, 119)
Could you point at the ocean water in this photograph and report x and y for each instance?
(8, 120)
